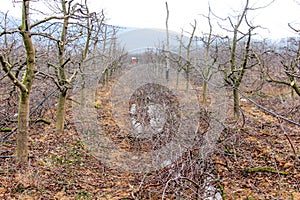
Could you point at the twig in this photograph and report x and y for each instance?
(43, 101)
(8, 134)
(288, 138)
(193, 182)
(268, 111)
(5, 157)
(167, 184)
(223, 194)
(30, 114)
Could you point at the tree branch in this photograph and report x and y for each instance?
(6, 67)
(47, 19)
(268, 111)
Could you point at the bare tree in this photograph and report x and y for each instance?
(168, 42)
(25, 84)
(59, 34)
(188, 54)
(184, 58)
(239, 54)
(208, 65)
(72, 25)
(288, 57)
(111, 53)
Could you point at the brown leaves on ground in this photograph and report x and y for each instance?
(260, 144)
(63, 169)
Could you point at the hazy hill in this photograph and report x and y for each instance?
(144, 38)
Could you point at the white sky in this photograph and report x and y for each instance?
(152, 13)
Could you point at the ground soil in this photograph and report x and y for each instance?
(257, 157)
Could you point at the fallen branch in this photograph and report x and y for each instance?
(9, 134)
(5, 157)
(42, 120)
(289, 139)
(30, 114)
(264, 169)
(5, 129)
(222, 190)
(268, 111)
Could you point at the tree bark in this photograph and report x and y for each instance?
(167, 45)
(204, 92)
(23, 126)
(236, 103)
(296, 88)
(24, 99)
(60, 113)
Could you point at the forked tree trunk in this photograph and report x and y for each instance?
(25, 87)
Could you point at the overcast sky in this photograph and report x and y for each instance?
(152, 13)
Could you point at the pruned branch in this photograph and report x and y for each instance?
(268, 111)
(264, 169)
(288, 138)
(72, 77)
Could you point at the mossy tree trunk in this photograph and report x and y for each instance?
(208, 65)
(204, 92)
(23, 126)
(237, 70)
(168, 43)
(188, 55)
(71, 13)
(24, 85)
(60, 113)
(24, 99)
(62, 77)
(236, 103)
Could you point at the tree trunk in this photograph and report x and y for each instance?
(187, 77)
(296, 88)
(236, 103)
(23, 126)
(204, 92)
(25, 87)
(60, 113)
(168, 44)
(177, 79)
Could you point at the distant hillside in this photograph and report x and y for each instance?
(145, 38)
